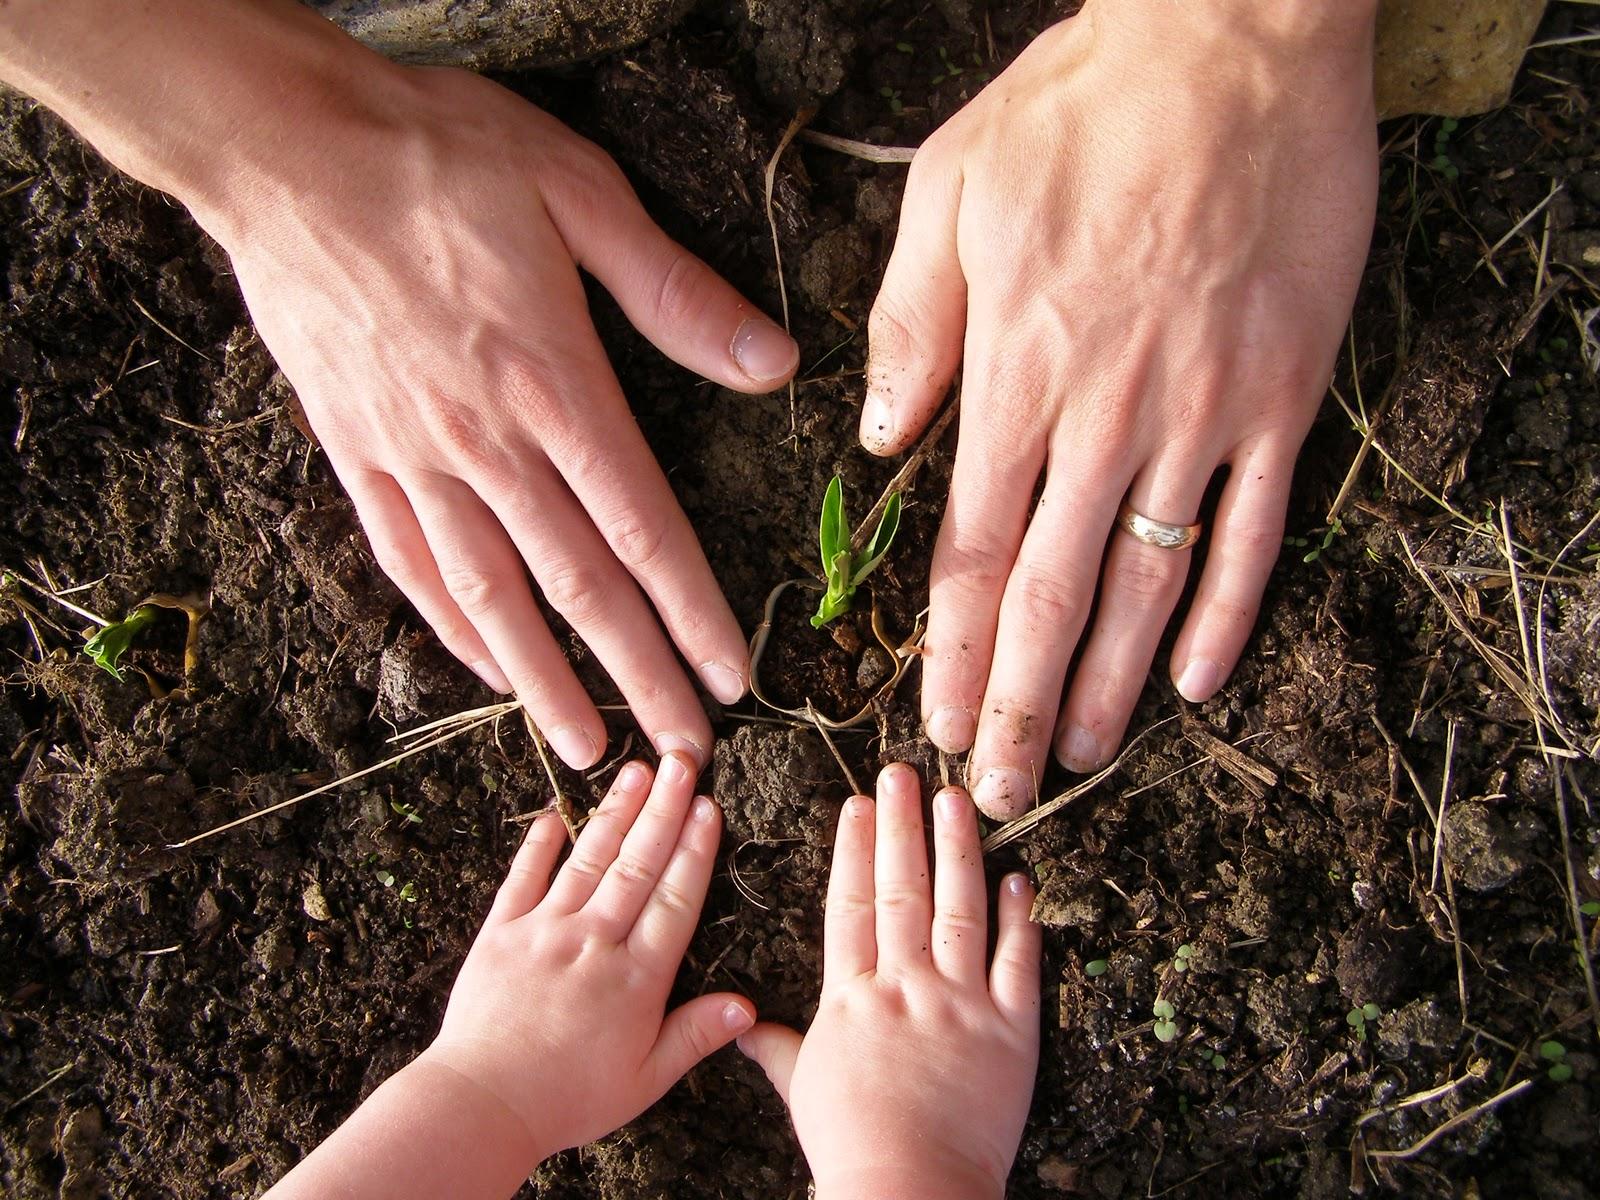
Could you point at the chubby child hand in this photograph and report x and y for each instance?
(915, 1077)
(559, 1012)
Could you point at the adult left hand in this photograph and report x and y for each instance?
(1144, 240)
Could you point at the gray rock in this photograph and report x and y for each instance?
(1483, 851)
(497, 34)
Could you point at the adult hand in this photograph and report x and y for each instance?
(1144, 239)
(915, 1076)
(420, 289)
(409, 242)
(559, 1010)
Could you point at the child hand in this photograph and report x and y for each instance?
(558, 1015)
(914, 1079)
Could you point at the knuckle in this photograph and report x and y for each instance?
(585, 866)
(696, 1041)
(475, 589)
(574, 590)
(958, 920)
(637, 538)
(848, 906)
(1046, 600)
(1146, 577)
(902, 900)
(681, 296)
(632, 873)
(674, 900)
(973, 568)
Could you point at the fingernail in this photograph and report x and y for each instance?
(737, 1018)
(1200, 680)
(1017, 885)
(763, 351)
(1003, 793)
(1080, 751)
(857, 807)
(877, 420)
(668, 744)
(574, 747)
(722, 681)
(493, 677)
(705, 809)
(952, 728)
(633, 777)
(952, 805)
(897, 777)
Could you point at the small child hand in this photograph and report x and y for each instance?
(914, 1079)
(558, 1014)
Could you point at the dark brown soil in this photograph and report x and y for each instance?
(191, 1022)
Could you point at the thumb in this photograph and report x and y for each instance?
(915, 332)
(691, 313)
(774, 1049)
(695, 1031)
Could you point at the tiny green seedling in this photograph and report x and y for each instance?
(1217, 1061)
(840, 566)
(385, 877)
(1590, 909)
(1096, 967)
(108, 645)
(1166, 1026)
(1555, 1054)
(407, 811)
(1183, 960)
(1357, 1019)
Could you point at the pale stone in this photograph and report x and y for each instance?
(1451, 58)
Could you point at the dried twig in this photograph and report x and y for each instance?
(866, 151)
(1012, 830)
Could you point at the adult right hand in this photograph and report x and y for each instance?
(408, 241)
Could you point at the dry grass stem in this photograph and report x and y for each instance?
(866, 151)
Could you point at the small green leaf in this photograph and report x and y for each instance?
(1218, 1061)
(1552, 1051)
(109, 645)
(1371, 1012)
(1165, 1031)
(1186, 951)
(385, 877)
(882, 539)
(1561, 1072)
(1096, 967)
(1591, 909)
(408, 892)
(1355, 1017)
(832, 531)
(1162, 1010)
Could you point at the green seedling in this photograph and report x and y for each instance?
(108, 645)
(1441, 149)
(896, 105)
(1218, 1062)
(1182, 962)
(1096, 968)
(1555, 1054)
(1591, 909)
(841, 568)
(385, 877)
(408, 892)
(1357, 1019)
(1166, 1027)
(407, 811)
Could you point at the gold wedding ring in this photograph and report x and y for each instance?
(1156, 533)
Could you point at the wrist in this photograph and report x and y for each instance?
(914, 1176)
(440, 1073)
(1279, 49)
(207, 101)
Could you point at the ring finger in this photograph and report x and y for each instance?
(1138, 591)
